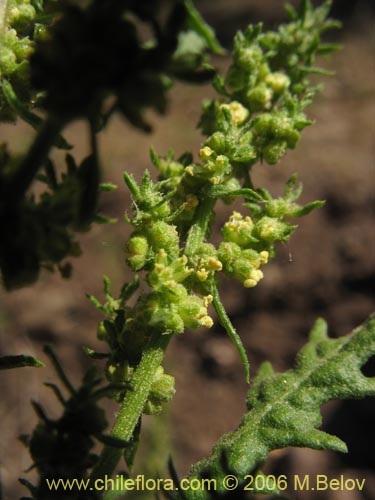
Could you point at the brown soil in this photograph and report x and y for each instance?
(326, 270)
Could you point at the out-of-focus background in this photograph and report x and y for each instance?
(326, 270)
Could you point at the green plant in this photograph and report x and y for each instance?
(258, 116)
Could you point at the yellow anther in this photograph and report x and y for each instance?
(278, 81)
(221, 160)
(205, 152)
(256, 274)
(249, 283)
(237, 222)
(111, 369)
(235, 216)
(183, 259)
(239, 113)
(159, 267)
(215, 180)
(264, 255)
(171, 284)
(214, 264)
(207, 300)
(189, 170)
(206, 321)
(202, 274)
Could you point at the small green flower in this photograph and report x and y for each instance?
(137, 251)
(239, 230)
(161, 235)
(270, 229)
(162, 391)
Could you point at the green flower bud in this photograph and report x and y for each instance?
(21, 15)
(249, 58)
(217, 142)
(167, 319)
(252, 256)
(232, 184)
(274, 151)
(164, 273)
(242, 268)
(162, 390)
(102, 331)
(163, 236)
(118, 372)
(236, 78)
(238, 112)
(193, 311)
(247, 273)
(137, 251)
(278, 207)
(270, 229)
(279, 82)
(22, 49)
(173, 292)
(8, 61)
(263, 124)
(160, 211)
(291, 137)
(259, 98)
(228, 253)
(162, 385)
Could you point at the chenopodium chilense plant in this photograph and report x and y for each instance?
(259, 116)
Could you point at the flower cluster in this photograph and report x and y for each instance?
(16, 46)
(239, 259)
(267, 89)
(249, 242)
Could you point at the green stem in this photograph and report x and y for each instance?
(231, 331)
(133, 404)
(37, 154)
(198, 230)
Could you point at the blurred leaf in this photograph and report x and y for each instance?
(19, 361)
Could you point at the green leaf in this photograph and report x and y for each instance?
(198, 24)
(229, 328)
(107, 186)
(223, 191)
(284, 408)
(306, 209)
(19, 361)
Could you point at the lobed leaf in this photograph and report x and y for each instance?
(284, 408)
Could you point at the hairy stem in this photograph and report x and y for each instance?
(133, 404)
(199, 228)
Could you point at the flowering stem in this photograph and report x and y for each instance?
(133, 404)
(199, 228)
